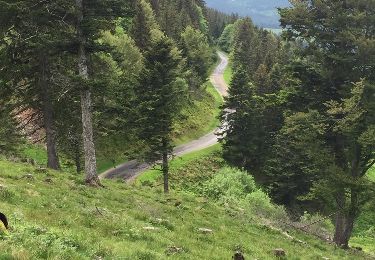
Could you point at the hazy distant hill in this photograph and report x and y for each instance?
(263, 12)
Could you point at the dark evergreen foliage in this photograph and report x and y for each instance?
(305, 129)
(159, 95)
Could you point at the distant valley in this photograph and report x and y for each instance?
(263, 13)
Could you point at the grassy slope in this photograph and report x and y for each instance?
(187, 173)
(200, 117)
(364, 233)
(154, 175)
(54, 216)
(372, 174)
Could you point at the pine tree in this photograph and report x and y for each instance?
(339, 38)
(233, 113)
(29, 49)
(144, 27)
(195, 48)
(245, 46)
(92, 18)
(159, 95)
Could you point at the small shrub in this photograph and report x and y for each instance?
(229, 184)
(317, 224)
(235, 187)
(370, 232)
(261, 205)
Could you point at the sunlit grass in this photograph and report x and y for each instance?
(153, 175)
(228, 73)
(371, 174)
(200, 118)
(54, 216)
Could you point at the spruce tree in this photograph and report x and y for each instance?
(245, 46)
(233, 113)
(31, 38)
(92, 18)
(195, 48)
(338, 102)
(159, 97)
(144, 26)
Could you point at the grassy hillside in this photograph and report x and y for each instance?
(364, 232)
(372, 174)
(54, 216)
(228, 73)
(199, 117)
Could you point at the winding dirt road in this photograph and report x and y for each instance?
(130, 170)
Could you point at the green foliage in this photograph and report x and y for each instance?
(124, 52)
(218, 21)
(226, 39)
(233, 187)
(244, 46)
(335, 131)
(250, 47)
(203, 24)
(9, 136)
(160, 94)
(229, 185)
(304, 113)
(116, 131)
(196, 49)
(174, 16)
(144, 28)
(115, 41)
(198, 117)
(245, 142)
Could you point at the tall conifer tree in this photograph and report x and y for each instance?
(338, 112)
(159, 96)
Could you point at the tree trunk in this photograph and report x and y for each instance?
(343, 229)
(88, 139)
(165, 167)
(53, 159)
(349, 208)
(87, 133)
(345, 219)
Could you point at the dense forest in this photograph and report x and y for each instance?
(89, 85)
(300, 114)
(64, 61)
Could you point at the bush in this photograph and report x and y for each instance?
(237, 188)
(229, 183)
(259, 203)
(317, 224)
